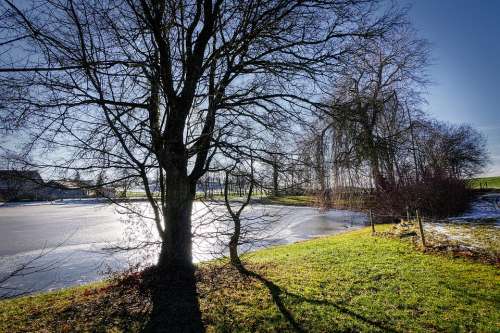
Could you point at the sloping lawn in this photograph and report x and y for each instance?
(349, 282)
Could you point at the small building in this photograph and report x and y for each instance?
(21, 185)
(67, 189)
(105, 192)
(29, 185)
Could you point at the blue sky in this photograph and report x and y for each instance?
(466, 64)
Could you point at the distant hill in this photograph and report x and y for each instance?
(486, 183)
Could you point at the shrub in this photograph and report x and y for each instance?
(433, 196)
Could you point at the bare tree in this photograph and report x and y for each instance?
(236, 216)
(364, 137)
(381, 78)
(454, 151)
(150, 87)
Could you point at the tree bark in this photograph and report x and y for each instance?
(275, 179)
(175, 299)
(176, 251)
(233, 244)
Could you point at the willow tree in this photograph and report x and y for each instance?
(377, 84)
(147, 88)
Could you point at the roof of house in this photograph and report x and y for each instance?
(69, 184)
(20, 174)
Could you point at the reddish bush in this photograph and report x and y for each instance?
(433, 196)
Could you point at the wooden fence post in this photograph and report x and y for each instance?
(371, 222)
(421, 227)
(407, 214)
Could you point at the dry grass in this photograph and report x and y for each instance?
(478, 241)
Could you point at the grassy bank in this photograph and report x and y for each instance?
(485, 183)
(287, 200)
(290, 200)
(348, 282)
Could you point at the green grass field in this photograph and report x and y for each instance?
(485, 183)
(290, 200)
(286, 200)
(350, 282)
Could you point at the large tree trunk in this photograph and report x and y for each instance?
(175, 299)
(176, 251)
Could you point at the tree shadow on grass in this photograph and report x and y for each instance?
(277, 294)
(175, 303)
(149, 301)
(346, 311)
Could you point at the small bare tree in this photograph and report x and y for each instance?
(236, 215)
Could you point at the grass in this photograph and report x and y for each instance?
(485, 183)
(345, 283)
(290, 200)
(286, 200)
(263, 198)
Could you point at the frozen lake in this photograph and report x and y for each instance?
(78, 241)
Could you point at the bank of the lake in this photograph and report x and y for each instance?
(347, 282)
